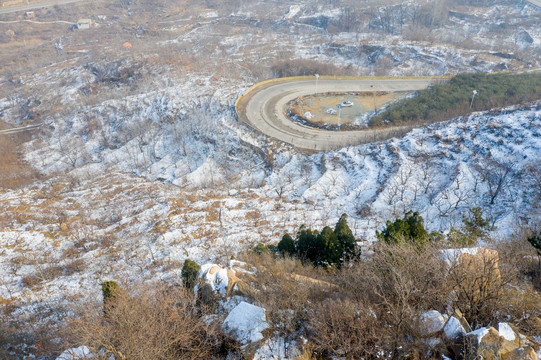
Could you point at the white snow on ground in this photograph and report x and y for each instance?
(246, 322)
(506, 331)
(98, 220)
(79, 353)
(451, 256)
(292, 12)
(277, 348)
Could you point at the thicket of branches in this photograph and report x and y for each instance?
(373, 306)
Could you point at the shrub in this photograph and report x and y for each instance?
(346, 239)
(535, 240)
(286, 246)
(260, 248)
(151, 322)
(475, 226)
(328, 248)
(109, 290)
(447, 100)
(189, 273)
(306, 244)
(410, 229)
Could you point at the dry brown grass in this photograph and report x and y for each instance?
(14, 173)
(148, 322)
(373, 306)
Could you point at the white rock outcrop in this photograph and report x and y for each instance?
(79, 353)
(246, 323)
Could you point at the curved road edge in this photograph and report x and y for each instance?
(262, 107)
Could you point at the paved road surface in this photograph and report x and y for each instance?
(19, 129)
(264, 109)
(535, 2)
(37, 6)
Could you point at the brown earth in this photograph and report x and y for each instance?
(362, 103)
(14, 172)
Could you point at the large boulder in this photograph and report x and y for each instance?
(463, 322)
(484, 343)
(432, 322)
(510, 339)
(522, 353)
(522, 37)
(214, 281)
(502, 344)
(453, 329)
(246, 323)
(476, 268)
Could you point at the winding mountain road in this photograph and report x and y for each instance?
(19, 129)
(37, 6)
(263, 107)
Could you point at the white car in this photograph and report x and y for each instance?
(331, 111)
(346, 104)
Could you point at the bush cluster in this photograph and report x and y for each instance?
(371, 308)
(326, 248)
(411, 230)
(447, 100)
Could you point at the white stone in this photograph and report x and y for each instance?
(246, 322)
(432, 321)
(453, 329)
(218, 280)
(505, 330)
(79, 353)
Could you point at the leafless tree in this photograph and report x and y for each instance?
(496, 175)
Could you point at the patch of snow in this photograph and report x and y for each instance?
(506, 331)
(246, 322)
(79, 353)
(277, 348)
(480, 333)
(451, 256)
(293, 11)
(215, 276)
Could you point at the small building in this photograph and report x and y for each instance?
(29, 15)
(10, 33)
(84, 24)
(127, 45)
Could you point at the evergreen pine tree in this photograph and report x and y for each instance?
(346, 238)
(410, 229)
(286, 246)
(307, 247)
(329, 249)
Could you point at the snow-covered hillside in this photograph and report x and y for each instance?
(144, 163)
(98, 219)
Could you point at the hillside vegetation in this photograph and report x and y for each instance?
(456, 98)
